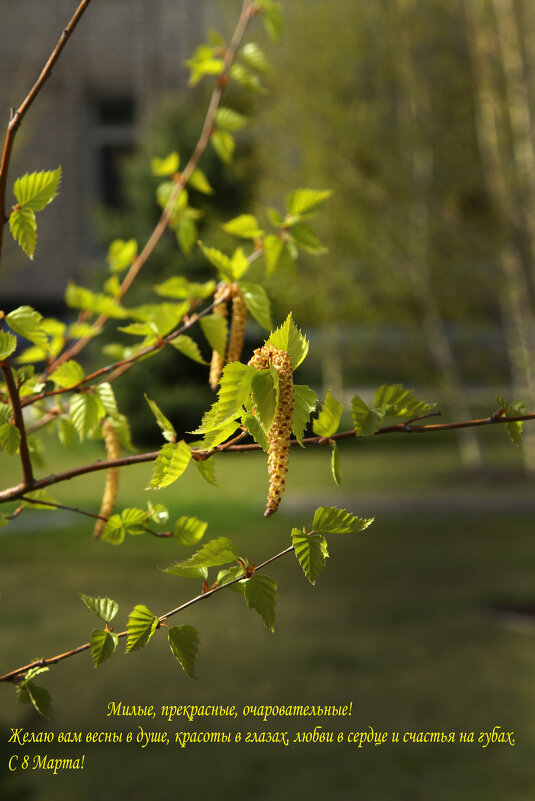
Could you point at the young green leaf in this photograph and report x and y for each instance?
(167, 428)
(215, 329)
(187, 572)
(106, 396)
(29, 324)
(257, 303)
(396, 401)
(141, 626)
(224, 145)
(180, 288)
(255, 429)
(85, 411)
(184, 644)
(189, 530)
(103, 645)
(302, 201)
(168, 165)
(290, 339)
(304, 404)
(206, 468)
(8, 343)
(329, 418)
(158, 513)
(38, 697)
(170, 463)
(216, 552)
(306, 239)
(199, 181)
(37, 189)
(273, 248)
(121, 254)
(254, 57)
(330, 520)
(9, 438)
(264, 387)
(234, 388)
(104, 608)
(366, 421)
(311, 552)
(188, 347)
(514, 429)
(23, 227)
(245, 226)
(68, 374)
(66, 432)
(226, 119)
(220, 261)
(261, 594)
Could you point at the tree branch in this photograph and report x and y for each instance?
(247, 12)
(16, 492)
(18, 674)
(19, 422)
(17, 116)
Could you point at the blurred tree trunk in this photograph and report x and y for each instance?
(508, 158)
(414, 121)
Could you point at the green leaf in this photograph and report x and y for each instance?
(68, 374)
(199, 181)
(366, 421)
(335, 465)
(167, 428)
(141, 626)
(104, 608)
(305, 200)
(106, 396)
(158, 513)
(311, 552)
(234, 388)
(514, 430)
(290, 339)
(180, 288)
(204, 62)
(165, 166)
(224, 145)
(220, 261)
(114, 531)
(23, 227)
(170, 463)
(9, 438)
(214, 553)
(186, 233)
(255, 58)
(206, 468)
(272, 19)
(304, 404)
(187, 572)
(330, 520)
(66, 432)
(85, 412)
(227, 119)
(121, 254)
(245, 226)
(273, 247)
(189, 530)
(264, 386)
(396, 401)
(255, 429)
(329, 418)
(215, 329)
(37, 189)
(306, 239)
(188, 347)
(261, 595)
(82, 330)
(257, 303)
(8, 343)
(78, 297)
(38, 697)
(246, 77)
(134, 520)
(239, 264)
(29, 324)
(231, 573)
(215, 437)
(184, 644)
(103, 645)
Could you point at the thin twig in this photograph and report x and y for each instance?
(16, 675)
(161, 226)
(14, 493)
(25, 458)
(18, 115)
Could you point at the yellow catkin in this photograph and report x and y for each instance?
(237, 328)
(279, 433)
(218, 361)
(111, 488)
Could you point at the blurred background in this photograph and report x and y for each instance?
(418, 114)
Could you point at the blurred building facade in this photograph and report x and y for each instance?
(122, 57)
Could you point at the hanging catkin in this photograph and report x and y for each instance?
(237, 328)
(111, 488)
(218, 361)
(279, 433)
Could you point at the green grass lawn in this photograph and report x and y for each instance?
(400, 623)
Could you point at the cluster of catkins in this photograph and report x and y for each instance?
(281, 428)
(237, 329)
(111, 488)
